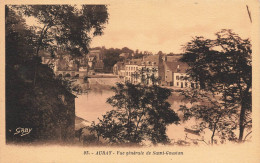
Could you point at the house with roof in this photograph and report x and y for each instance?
(119, 69)
(176, 75)
(95, 53)
(173, 72)
(140, 70)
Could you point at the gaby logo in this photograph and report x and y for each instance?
(23, 131)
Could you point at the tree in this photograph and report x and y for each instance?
(224, 66)
(66, 26)
(111, 58)
(141, 112)
(214, 114)
(49, 106)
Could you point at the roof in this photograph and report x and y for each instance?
(173, 58)
(134, 62)
(152, 60)
(94, 51)
(175, 66)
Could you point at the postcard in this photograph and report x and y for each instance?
(124, 81)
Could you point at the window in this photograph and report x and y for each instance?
(177, 77)
(181, 77)
(186, 84)
(166, 77)
(177, 83)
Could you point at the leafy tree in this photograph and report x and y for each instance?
(48, 107)
(141, 112)
(66, 26)
(215, 114)
(111, 58)
(127, 50)
(224, 66)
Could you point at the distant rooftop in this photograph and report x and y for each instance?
(177, 66)
(148, 60)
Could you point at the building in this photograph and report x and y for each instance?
(176, 75)
(173, 72)
(64, 65)
(142, 70)
(119, 69)
(95, 53)
(99, 66)
(91, 61)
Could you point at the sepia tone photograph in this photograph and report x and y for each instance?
(131, 76)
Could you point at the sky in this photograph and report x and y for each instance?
(166, 26)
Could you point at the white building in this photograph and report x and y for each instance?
(141, 70)
(176, 75)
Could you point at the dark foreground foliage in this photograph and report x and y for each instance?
(141, 113)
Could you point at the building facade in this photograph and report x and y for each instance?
(143, 70)
(173, 72)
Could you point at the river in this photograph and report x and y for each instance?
(93, 105)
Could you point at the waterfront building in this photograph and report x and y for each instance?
(173, 72)
(142, 70)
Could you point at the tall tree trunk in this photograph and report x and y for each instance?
(241, 121)
(244, 97)
(214, 130)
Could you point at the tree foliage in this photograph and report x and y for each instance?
(141, 113)
(213, 113)
(65, 25)
(112, 56)
(224, 66)
(48, 107)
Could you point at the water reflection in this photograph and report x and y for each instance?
(93, 105)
